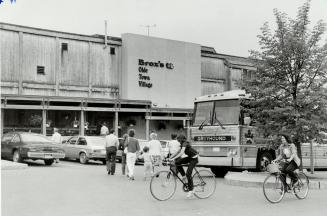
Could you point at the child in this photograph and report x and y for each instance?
(147, 162)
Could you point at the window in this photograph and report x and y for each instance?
(81, 141)
(40, 70)
(203, 113)
(112, 51)
(227, 112)
(72, 141)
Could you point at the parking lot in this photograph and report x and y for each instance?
(71, 188)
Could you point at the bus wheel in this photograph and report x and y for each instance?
(264, 160)
(219, 171)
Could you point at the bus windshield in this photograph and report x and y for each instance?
(227, 112)
(222, 112)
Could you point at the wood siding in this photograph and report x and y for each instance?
(209, 87)
(9, 56)
(85, 69)
(212, 68)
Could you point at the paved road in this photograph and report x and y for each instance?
(72, 189)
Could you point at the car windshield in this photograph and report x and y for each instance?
(95, 141)
(34, 138)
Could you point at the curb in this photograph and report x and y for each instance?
(8, 165)
(246, 180)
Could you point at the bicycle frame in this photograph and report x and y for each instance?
(181, 180)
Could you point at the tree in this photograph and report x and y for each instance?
(290, 84)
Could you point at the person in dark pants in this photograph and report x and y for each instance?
(192, 159)
(288, 152)
(112, 144)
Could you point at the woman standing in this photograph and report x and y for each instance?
(155, 150)
(123, 154)
(288, 151)
(133, 149)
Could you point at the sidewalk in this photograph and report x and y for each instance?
(318, 180)
(9, 165)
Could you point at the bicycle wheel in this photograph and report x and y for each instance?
(163, 185)
(302, 188)
(204, 184)
(273, 188)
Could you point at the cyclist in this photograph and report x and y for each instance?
(288, 152)
(191, 158)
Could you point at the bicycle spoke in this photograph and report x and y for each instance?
(163, 185)
(301, 189)
(204, 183)
(273, 188)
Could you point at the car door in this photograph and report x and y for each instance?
(80, 146)
(70, 147)
(5, 145)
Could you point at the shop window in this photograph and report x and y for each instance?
(40, 70)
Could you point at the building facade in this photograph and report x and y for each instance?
(77, 82)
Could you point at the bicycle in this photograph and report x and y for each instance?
(274, 189)
(163, 183)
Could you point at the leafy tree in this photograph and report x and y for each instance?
(290, 84)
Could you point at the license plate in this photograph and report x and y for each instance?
(48, 156)
(217, 149)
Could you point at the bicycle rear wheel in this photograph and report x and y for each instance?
(163, 185)
(204, 184)
(302, 188)
(273, 188)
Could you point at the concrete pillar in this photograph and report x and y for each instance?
(44, 122)
(116, 123)
(82, 123)
(2, 120)
(188, 130)
(147, 129)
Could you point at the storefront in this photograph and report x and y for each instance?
(78, 82)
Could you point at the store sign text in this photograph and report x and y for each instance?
(144, 78)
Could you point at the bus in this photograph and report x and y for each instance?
(223, 135)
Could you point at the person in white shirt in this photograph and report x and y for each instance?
(155, 150)
(104, 130)
(112, 144)
(174, 146)
(56, 137)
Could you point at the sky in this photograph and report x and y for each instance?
(230, 26)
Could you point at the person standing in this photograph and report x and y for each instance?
(133, 149)
(173, 146)
(112, 144)
(104, 131)
(148, 171)
(56, 137)
(155, 150)
(123, 154)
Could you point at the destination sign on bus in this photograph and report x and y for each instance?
(212, 138)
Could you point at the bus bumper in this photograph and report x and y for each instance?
(220, 161)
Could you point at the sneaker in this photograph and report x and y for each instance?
(132, 178)
(190, 194)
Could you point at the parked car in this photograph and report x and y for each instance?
(85, 148)
(19, 146)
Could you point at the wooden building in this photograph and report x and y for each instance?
(76, 82)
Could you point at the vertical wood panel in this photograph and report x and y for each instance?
(39, 51)
(212, 68)
(9, 55)
(74, 63)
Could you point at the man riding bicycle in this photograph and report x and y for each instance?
(191, 158)
(288, 152)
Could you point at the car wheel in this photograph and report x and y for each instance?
(16, 157)
(83, 158)
(48, 162)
